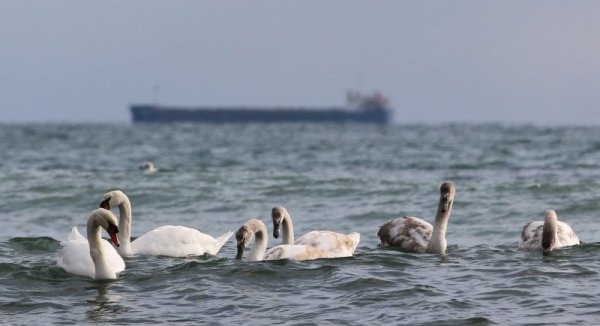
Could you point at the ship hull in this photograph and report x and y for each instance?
(161, 114)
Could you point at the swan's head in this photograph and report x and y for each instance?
(112, 199)
(243, 236)
(112, 230)
(108, 221)
(549, 231)
(277, 215)
(147, 167)
(447, 192)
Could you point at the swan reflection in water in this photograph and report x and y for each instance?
(104, 307)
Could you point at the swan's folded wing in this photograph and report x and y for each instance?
(220, 242)
(407, 232)
(75, 258)
(531, 236)
(74, 235)
(332, 244)
(295, 252)
(566, 235)
(175, 241)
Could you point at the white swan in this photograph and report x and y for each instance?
(95, 258)
(167, 240)
(548, 235)
(256, 229)
(414, 234)
(333, 244)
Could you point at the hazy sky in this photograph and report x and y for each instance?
(437, 61)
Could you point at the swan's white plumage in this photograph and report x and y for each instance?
(76, 259)
(533, 234)
(166, 240)
(294, 252)
(330, 244)
(75, 235)
(256, 230)
(178, 241)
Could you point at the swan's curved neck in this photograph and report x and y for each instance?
(287, 228)
(437, 244)
(260, 241)
(549, 235)
(124, 227)
(102, 270)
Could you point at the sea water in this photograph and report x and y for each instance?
(344, 178)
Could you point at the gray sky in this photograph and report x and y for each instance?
(437, 61)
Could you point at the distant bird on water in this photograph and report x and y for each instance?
(148, 167)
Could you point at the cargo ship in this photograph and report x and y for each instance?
(359, 109)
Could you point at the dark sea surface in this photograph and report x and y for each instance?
(330, 177)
